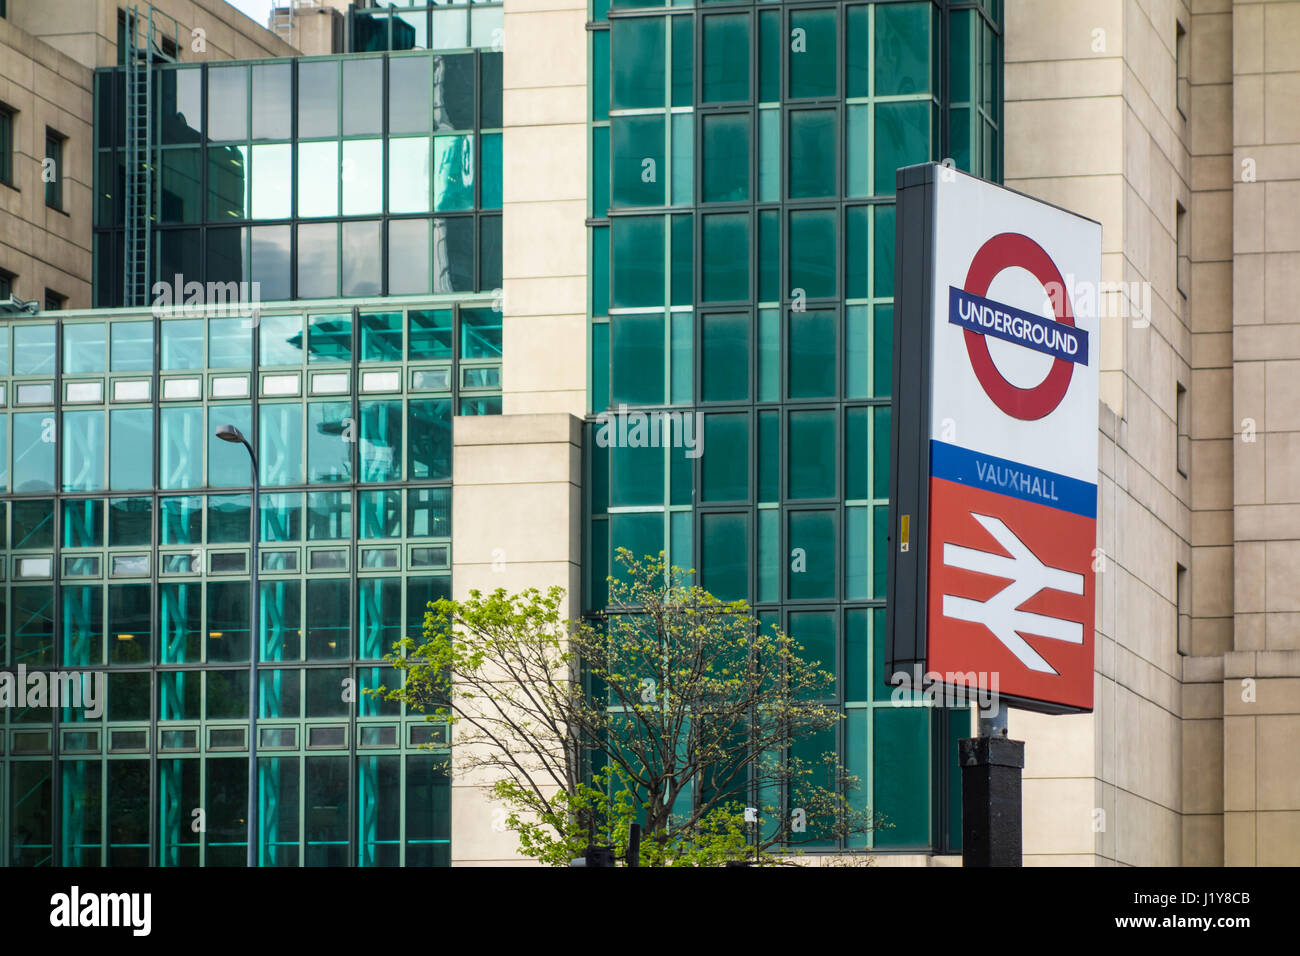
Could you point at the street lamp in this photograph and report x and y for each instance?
(232, 434)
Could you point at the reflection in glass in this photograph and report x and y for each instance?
(453, 91)
(83, 348)
(329, 449)
(329, 338)
(131, 448)
(361, 258)
(363, 84)
(181, 117)
(227, 182)
(181, 190)
(131, 348)
(230, 343)
(227, 103)
(182, 344)
(363, 182)
(381, 441)
(271, 85)
(318, 260)
(453, 172)
(318, 98)
(408, 256)
(409, 86)
(271, 178)
(33, 349)
(318, 179)
(453, 254)
(280, 441)
(408, 175)
(83, 451)
(269, 255)
(280, 340)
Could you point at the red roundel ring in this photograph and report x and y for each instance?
(1004, 251)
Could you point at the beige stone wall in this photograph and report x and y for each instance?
(86, 30)
(516, 524)
(46, 248)
(1101, 78)
(544, 207)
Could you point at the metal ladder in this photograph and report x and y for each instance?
(140, 55)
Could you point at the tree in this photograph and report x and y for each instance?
(673, 708)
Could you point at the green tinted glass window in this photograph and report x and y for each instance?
(638, 268)
(683, 61)
(636, 472)
(769, 155)
(83, 523)
(181, 447)
(726, 58)
(903, 48)
(812, 352)
(408, 174)
(815, 631)
(381, 441)
(883, 346)
(856, 453)
(683, 261)
(725, 344)
(902, 138)
(429, 334)
(131, 347)
(642, 534)
(858, 51)
(857, 538)
(724, 555)
(638, 54)
(381, 336)
(813, 42)
(726, 157)
(600, 74)
(131, 446)
(600, 166)
(857, 172)
(329, 450)
(812, 153)
(857, 221)
(182, 344)
(83, 348)
(812, 252)
(637, 343)
(639, 170)
(130, 522)
(34, 462)
(769, 456)
(280, 444)
(726, 257)
(480, 333)
(880, 453)
(811, 454)
(812, 557)
(228, 464)
(83, 451)
(769, 56)
(882, 270)
(857, 351)
(726, 458)
(902, 756)
(769, 255)
(428, 440)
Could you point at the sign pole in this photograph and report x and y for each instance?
(990, 794)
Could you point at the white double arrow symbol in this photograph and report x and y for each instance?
(1000, 613)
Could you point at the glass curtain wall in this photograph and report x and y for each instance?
(128, 533)
(742, 263)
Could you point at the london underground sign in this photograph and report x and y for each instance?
(994, 488)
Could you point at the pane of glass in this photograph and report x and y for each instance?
(636, 471)
(83, 523)
(83, 348)
(858, 51)
(880, 547)
(726, 257)
(683, 157)
(318, 260)
(903, 49)
(269, 255)
(428, 513)
(857, 454)
(453, 172)
(683, 371)
(429, 337)
(408, 256)
(280, 342)
(769, 456)
(480, 333)
(453, 254)
(363, 84)
(132, 347)
(271, 100)
(33, 524)
(812, 354)
(858, 168)
(408, 175)
(812, 153)
(489, 253)
(812, 252)
(362, 253)
(228, 182)
(329, 515)
(490, 171)
(726, 58)
(857, 351)
(363, 184)
(34, 349)
(280, 444)
(381, 514)
(638, 268)
(409, 84)
(227, 103)
(83, 451)
(811, 455)
(34, 463)
(318, 98)
(725, 341)
(883, 266)
(490, 76)
(639, 62)
(181, 117)
(182, 344)
(181, 520)
(812, 53)
(902, 139)
(883, 351)
(726, 157)
(381, 441)
(329, 452)
(381, 336)
(724, 555)
(638, 160)
(769, 355)
(429, 439)
(318, 179)
(769, 255)
(769, 555)
(131, 449)
(857, 573)
(600, 171)
(769, 156)
(181, 189)
(230, 343)
(857, 221)
(726, 458)
(880, 453)
(280, 518)
(600, 74)
(769, 56)
(683, 61)
(228, 464)
(902, 760)
(683, 262)
(637, 344)
(812, 565)
(130, 522)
